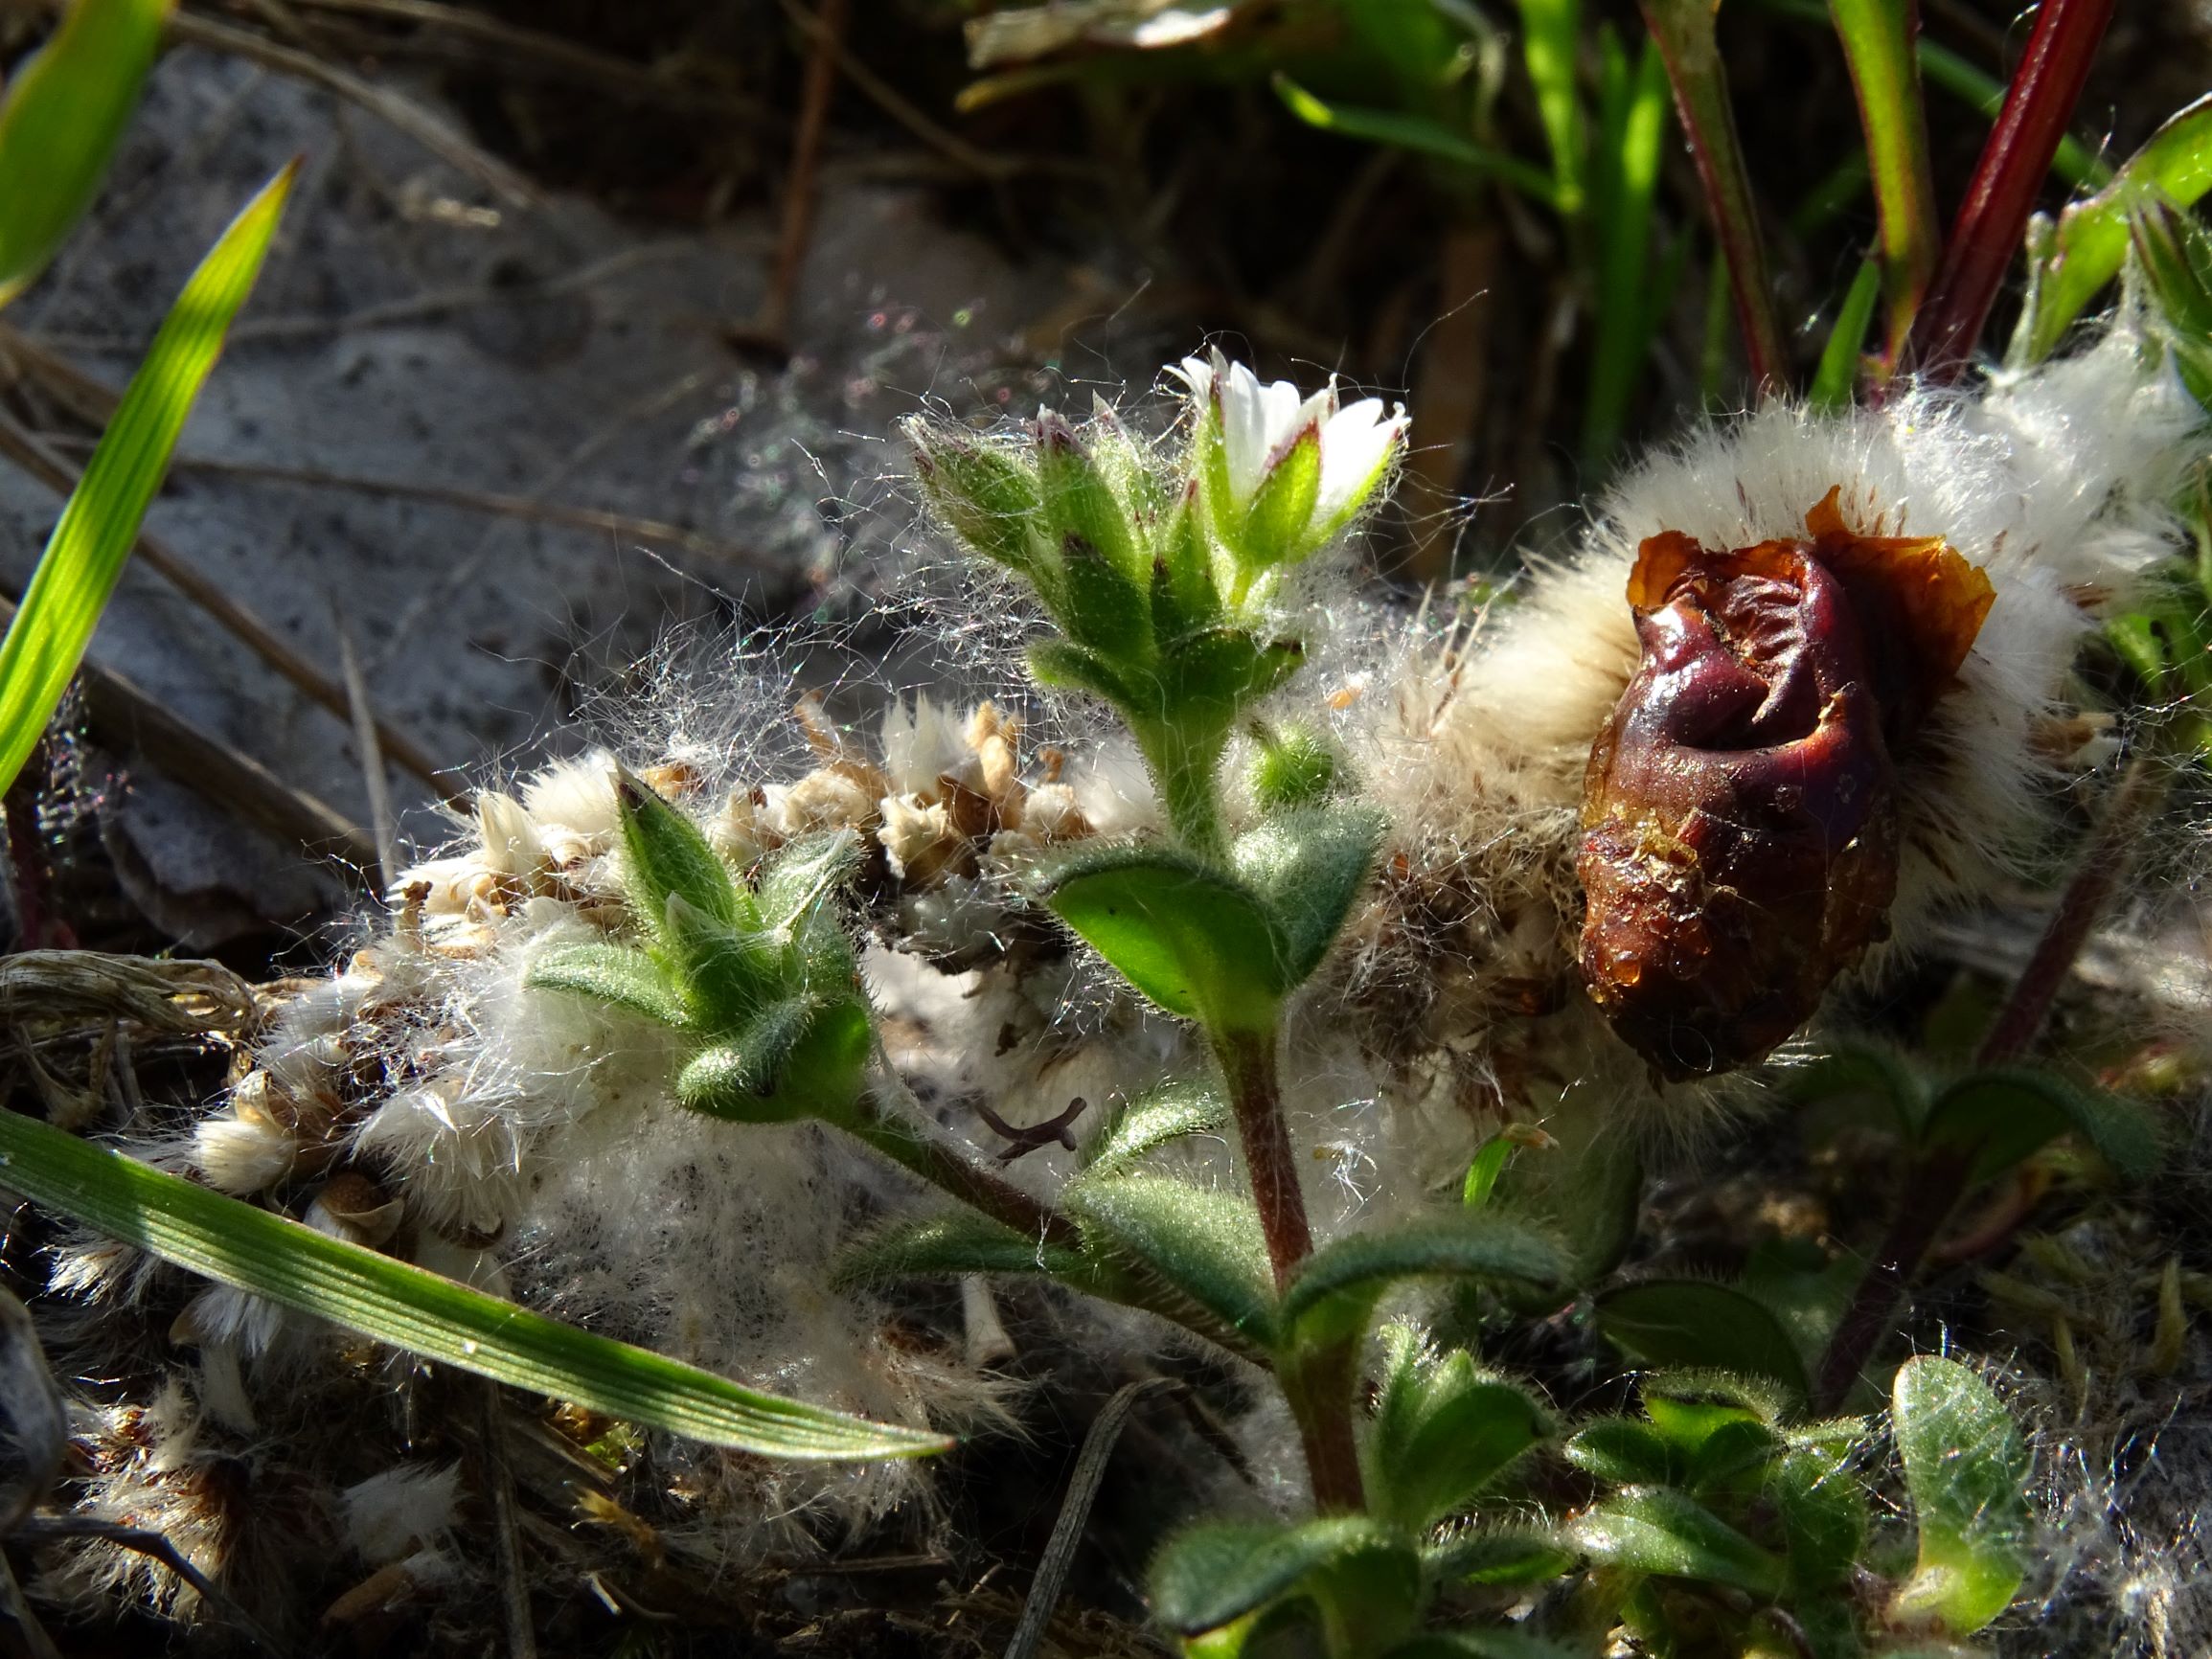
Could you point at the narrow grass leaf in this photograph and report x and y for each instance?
(1878, 41)
(84, 557)
(1551, 32)
(391, 1302)
(1418, 134)
(1631, 138)
(1838, 372)
(64, 112)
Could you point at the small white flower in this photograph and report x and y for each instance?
(1250, 437)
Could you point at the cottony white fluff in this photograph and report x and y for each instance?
(2054, 481)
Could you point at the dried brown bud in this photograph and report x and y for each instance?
(1739, 834)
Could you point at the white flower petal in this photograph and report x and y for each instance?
(1243, 430)
(1355, 446)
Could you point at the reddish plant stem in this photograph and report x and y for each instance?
(2110, 851)
(1256, 1094)
(1994, 216)
(1684, 31)
(1938, 1179)
(1317, 1382)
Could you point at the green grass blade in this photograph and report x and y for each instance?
(233, 1244)
(64, 111)
(1838, 370)
(1878, 41)
(1416, 133)
(84, 557)
(1632, 131)
(1970, 84)
(2089, 243)
(1553, 30)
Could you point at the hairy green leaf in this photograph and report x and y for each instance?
(1217, 1572)
(989, 498)
(1692, 1323)
(802, 873)
(84, 555)
(1623, 1452)
(1823, 1511)
(1178, 1108)
(1202, 1244)
(1502, 1642)
(1194, 940)
(1659, 1530)
(959, 1241)
(1498, 1556)
(1968, 1471)
(1081, 509)
(1307, 865)
(1442, 1431)
(64, 113)
(613, 973)
(798, 1058)
(1103, 609)
(1340, 1283)
(1999, 1116)
(667, 856)
(237, 1244)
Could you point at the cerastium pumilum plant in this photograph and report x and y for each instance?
(1163, 587)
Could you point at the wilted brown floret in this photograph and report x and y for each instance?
(1739, 823)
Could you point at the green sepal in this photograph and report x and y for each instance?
(1442, 1432)
(1080, 505)
(1183, 594)
(1691, 1322)
(803, 872)
(1102, 608)
(1167, 1112)
(1337, 1288)
(989, 498)
(800, 1057)
(1968, 1472)
(724, 974)
(2001, 1116)
(1662, 1530)
(1202, 1244)
(1275, 530)
(613, 973)
(666, 857)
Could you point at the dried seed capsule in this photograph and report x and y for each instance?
(1740, 834)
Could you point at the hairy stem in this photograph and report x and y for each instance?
(1932, 1193)
(906, 1144)
(1994, 214)
(1318, 1384)
(1938, 1180)
(1182, 772)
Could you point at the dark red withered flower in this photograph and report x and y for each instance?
(1740, 825)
